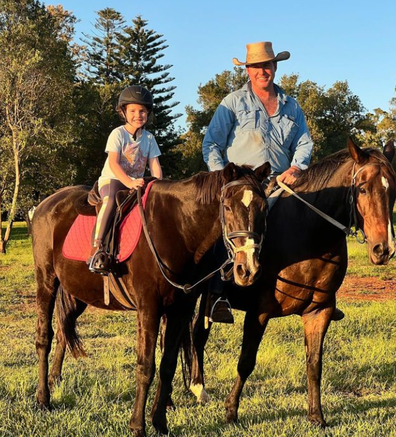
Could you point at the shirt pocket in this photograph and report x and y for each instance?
(288, 129)
(247, 120)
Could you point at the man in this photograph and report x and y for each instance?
(253, 125)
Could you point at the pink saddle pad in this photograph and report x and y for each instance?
(77, 245)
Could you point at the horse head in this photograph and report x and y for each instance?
(243, 209)
(373, 192)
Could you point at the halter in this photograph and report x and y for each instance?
(358, 233)
(353, 221)
(228, 237)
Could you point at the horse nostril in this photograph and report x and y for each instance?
(242, 271)
(380, 250)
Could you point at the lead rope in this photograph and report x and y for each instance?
(334, 222)
(187, 288)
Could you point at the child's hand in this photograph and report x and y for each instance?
(135, 183)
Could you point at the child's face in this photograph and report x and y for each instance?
(136, 115)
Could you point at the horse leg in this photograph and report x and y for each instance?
(178, 318)
(315, 328)
(47, 284)
(253, 332)
(147, 333)
(68, 310)
(200, 337)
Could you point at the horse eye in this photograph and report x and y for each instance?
(362, 190)
(227, 208)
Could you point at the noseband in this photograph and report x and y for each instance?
(228, 237)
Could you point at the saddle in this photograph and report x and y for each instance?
(90, 203)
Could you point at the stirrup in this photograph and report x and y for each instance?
(100, 262)
(221, 311)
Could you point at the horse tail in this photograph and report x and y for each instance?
(67, 312)
(185, 350)
(186, 356)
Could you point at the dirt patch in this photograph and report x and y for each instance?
(355, 288)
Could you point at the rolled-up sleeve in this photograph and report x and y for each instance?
(215, 140)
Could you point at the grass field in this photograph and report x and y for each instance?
(96, 395)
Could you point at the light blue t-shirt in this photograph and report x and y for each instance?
(133, 153)
(242, 132)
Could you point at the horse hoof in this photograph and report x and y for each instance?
(318, 421)
(231, 416)
(43, 401)
(138, 433)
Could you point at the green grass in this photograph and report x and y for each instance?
(96, 395)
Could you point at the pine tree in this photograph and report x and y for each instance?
(143, 49)
(103, 52)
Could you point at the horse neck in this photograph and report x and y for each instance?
(196, 221)
(331, 195)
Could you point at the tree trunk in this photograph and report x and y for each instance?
(13, 209)
(2, 247)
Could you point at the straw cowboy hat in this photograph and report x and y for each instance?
(261, 52)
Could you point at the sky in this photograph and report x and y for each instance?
(329, 41)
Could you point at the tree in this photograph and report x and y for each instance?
(36, 85)
(210, 96)
(142, 50)
(119, 56)
(104, 61)
(331, 115)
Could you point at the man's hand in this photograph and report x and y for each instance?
(289, 176)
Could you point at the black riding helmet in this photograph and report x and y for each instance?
(135, 94)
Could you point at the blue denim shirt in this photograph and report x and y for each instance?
(242, 132)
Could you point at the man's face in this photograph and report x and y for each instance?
(262, 75)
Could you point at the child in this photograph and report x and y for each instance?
(130, 147)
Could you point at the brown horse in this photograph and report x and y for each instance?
(183, 222)
(304, 260)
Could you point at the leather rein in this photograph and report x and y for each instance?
(227, 238)
(358, 233)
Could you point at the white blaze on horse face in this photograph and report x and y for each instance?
(385, 182)
(391, 242)
(247, 198)
(250, 253)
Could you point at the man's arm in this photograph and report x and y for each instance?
(215, 140)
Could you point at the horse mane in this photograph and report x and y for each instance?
(208, 184)
(317, 175)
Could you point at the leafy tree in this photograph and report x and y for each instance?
(210, 96)
(331, 115)
(36, 84)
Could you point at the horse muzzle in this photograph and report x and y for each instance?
(381, 253)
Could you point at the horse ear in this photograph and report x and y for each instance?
(355, 151)
(263, 171)
(389, 150)
(230, 172)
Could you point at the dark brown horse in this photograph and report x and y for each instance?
(304, 260)
(183, 221)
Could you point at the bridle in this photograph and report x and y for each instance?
(227, 237)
